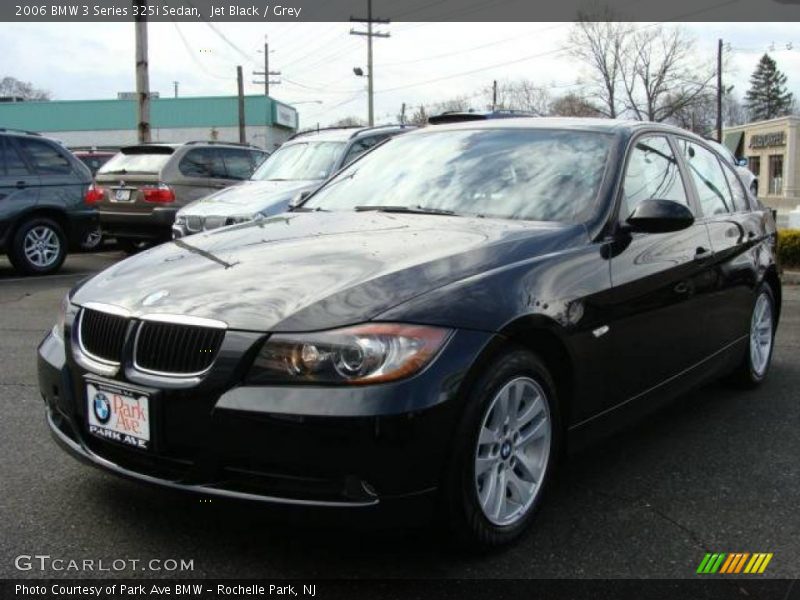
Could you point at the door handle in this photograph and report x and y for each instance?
(702, 253)
(22, 185)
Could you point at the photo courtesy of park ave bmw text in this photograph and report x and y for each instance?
(400, 299)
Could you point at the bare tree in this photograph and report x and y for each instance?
(419, 117)
(14, 88)
(521, 94)
(598, 40)
(348, 122)
(659, 75)
(572, 104)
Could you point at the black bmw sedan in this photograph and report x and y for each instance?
(441, 319)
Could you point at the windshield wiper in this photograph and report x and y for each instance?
(416, 210)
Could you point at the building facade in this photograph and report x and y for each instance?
(113, 123)
(772, 149)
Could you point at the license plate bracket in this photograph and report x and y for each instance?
(119, 413)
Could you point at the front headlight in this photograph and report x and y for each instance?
(369, 353)
(58, 328)
(180, 219)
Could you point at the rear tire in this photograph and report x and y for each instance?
(753, 369)
(38, 247)
(507, 445)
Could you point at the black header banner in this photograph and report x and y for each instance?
(398, 10)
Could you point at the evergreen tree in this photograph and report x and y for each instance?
(767, 97)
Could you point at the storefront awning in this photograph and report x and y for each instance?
(735, 143)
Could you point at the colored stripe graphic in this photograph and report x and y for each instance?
(734, 562)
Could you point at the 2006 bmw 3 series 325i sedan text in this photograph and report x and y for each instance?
(441, 319)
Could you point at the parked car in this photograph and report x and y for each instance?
(138, 192)
(749, 178)
(42, 210)
(437, 321)
(298, 166)
(93, 157)
(459, 116)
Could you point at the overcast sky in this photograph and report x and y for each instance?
(421, 63)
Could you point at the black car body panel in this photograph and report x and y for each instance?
(625, 320)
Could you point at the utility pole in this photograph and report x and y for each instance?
(369, 33)
(403, 114)
(240, 84)
(494, 94)
(266, 73)
(175, 83)
(142, 74)
(719, 91)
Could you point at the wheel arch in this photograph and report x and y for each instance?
(772, 279)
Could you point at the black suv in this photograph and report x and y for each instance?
(138, 192)
(42, 210)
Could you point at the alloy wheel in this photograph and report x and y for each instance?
(761, 334)
(42, 246)
(513, 450)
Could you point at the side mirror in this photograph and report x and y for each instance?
(741, 162)
(299, 198)
(659, 216)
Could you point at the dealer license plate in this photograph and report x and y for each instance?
(118, 414)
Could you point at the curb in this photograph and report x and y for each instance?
(790, 277)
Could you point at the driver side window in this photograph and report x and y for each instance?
(652, 172)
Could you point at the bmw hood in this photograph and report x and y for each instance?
(247, 198)
(309, 271)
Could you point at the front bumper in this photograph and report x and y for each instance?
(350, 447)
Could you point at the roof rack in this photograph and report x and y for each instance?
(219, 142)
(318, 129)
(12, 130)
(363, 129)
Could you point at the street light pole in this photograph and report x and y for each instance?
(369, 33)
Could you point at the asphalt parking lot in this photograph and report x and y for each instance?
(717, 471)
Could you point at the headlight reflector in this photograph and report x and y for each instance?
(369, 353)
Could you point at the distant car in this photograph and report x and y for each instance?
(749, 178)
(299, 165)
(93, 158)
(42, 210)
(139, 190)
(458, 116)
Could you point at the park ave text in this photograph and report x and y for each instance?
(168, 589)
(263, 12)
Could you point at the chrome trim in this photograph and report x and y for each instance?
(167, 374)
(111, 309)
(85, 454)
(184, 320)
(83, 357)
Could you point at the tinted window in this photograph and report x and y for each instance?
(360, 146)
(740, 201)
(238, 163)
(301, 161)
(257, 158)
(136, 162)
(533, 174)
(203, 162)
(11, 163)
(652, 172)
(44, 157)
(712, 188)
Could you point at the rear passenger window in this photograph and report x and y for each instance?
(11, 163)
(46, 159)
(203, 162)
(709, 179)
(652, 173)
(740, 202)
(238, 163)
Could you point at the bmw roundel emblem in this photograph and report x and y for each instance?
(102, 407)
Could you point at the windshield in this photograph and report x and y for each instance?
(305, 160)
(532, 174)
(135, 163)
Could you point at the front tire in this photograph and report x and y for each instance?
(39, 247)
(507, 446)
(753, 369)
